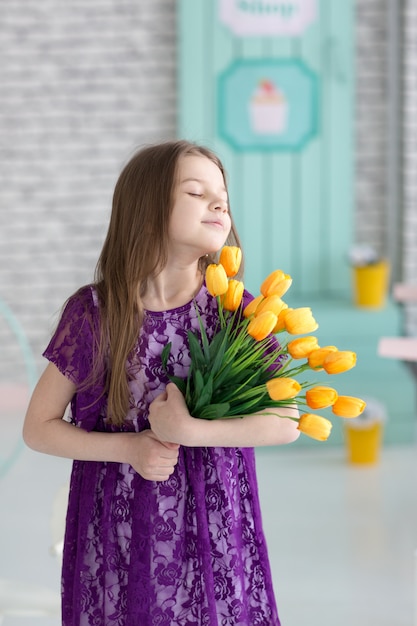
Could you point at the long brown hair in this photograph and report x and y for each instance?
(134, 250)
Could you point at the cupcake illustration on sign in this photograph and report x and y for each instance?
(268, 109)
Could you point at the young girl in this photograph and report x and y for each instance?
(163, 523)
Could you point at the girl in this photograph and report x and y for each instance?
(163, 523)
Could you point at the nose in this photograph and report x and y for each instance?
(220, 205)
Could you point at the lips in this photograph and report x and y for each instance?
(217, 223)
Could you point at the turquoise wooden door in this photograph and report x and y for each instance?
(277, 108)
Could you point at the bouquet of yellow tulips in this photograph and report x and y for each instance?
(245, 369)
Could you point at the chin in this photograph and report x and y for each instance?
(216, 246)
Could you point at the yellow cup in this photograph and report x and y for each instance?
(364, 443)
(370, 284)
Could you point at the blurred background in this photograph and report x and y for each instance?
(311, 104)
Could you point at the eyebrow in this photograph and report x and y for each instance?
(198, 180)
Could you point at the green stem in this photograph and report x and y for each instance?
(221, 313)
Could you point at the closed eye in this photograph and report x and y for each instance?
(195, 195)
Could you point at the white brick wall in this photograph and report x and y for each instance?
(410, 139)
(82, 85)
(371, 122)
(410, 153)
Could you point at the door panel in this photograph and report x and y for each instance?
(291, 194)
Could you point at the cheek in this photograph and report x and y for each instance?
(178, 216)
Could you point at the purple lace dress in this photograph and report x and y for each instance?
(186, 552)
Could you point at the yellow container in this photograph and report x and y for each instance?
(364, 442)
(370, 284)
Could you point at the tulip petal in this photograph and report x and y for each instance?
(216, 279)
(271, 303)
(316, 357)
(315, 426)
(277, 283)
(231, 258)
(301, 348)
(340, 361)
(280, 325)
(233, 297)
(251, 307)
(282, 388)
(300, 321)
(348, 406)
(262, 325)
(320, 397)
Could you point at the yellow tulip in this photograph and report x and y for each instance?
(277, 283)
(320, 397)
(282, 388)
(315, 426)
(348, 406)
(280, 325)
(233, 297)
(271, 303)
(316, 358)
(340, 361)
(216, 279)
(300, 348)
(272, 280)
(250, 309)
(262, 326)
(300, 321)
(231, 258)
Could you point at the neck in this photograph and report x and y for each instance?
(172, 287)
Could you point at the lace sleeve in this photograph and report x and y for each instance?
(72, 346)
(72, 349)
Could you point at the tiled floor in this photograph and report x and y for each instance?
(341, 537)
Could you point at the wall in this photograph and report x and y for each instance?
(371, 122)
(409, 164)
(82, 85)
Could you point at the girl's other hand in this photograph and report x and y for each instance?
(151, 458)
(169, 416)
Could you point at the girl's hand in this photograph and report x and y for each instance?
(45, 430)
(169, 417)
(151, 458)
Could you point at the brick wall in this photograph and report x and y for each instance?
(371, 122)
(83, 84)
(409, 122)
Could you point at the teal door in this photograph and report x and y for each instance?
(269, 86)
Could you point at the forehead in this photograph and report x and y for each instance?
(201, 168)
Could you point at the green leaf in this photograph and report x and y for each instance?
(203, 334)
(217, 350)
(247, 407)
(204, 397)
(165, 355)
(180, 382)
(216, 343)
(196, 353)
(198, 383)
(214, 411)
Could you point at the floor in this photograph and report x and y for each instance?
(341, 537)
